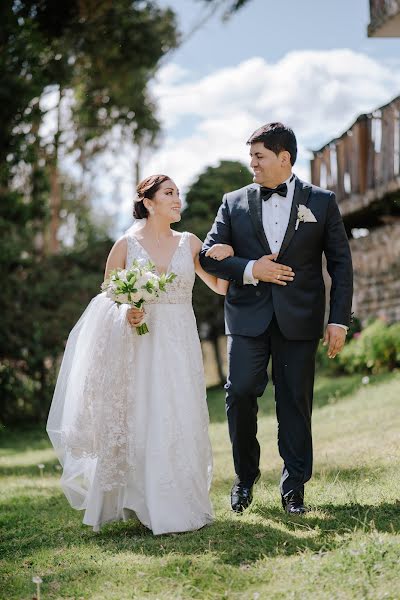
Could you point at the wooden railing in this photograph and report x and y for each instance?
(384, 18)
(363, 164)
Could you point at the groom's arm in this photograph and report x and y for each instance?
(231, 268)
(339, 265)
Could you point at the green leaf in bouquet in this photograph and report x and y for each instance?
(150, 266)
(170, 277)
(164, 280)
(150, 286)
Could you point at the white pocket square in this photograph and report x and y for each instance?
(304, 215)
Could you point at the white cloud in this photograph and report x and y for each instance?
(318, 93)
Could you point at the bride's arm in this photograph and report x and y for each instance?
(220, 286)
(116, 258)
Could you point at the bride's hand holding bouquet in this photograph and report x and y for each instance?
(135, 286)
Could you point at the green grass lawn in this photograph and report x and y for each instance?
(347, 546)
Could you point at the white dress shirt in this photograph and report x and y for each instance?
(275, 218)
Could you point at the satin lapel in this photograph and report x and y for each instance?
(302, 193)
(255, 211)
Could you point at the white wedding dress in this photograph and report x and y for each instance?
(129, 419)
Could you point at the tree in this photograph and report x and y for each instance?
(47, 300)
(202, 202)
(42, 297)
(229, 6)
(95, 60)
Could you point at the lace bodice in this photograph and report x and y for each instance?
(180, 290)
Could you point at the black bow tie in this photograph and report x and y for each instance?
(267, 192)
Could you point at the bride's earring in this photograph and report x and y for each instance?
(151, 210)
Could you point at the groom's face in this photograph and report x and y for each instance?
(267, 167)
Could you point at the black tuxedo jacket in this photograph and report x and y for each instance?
(300, 306)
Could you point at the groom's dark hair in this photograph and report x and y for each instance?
(276, 137)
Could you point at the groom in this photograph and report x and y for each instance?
(279, 228)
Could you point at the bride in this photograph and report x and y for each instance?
(129, 419)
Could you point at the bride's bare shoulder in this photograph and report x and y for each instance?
(119, 249)
(195, 243)
(120, 245)
(117, 256)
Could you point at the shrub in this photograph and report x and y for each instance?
(322, 360)
(375, 350)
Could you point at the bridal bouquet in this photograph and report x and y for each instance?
(135, 286)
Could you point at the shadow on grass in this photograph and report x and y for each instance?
(339, 519)
(232, 541)
(31, 523)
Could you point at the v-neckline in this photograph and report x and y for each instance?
(159, 273)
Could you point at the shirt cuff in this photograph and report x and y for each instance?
(339, 325)
(248, 278)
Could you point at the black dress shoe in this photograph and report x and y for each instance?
(293, 503)
(242, 495)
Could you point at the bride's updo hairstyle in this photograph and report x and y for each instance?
(146, 189)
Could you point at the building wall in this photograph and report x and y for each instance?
(376, 261)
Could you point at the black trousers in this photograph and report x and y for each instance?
(293, 368)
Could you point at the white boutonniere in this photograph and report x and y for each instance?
(304, 215)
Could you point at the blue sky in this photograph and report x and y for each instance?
(307, 63)
(270, 29)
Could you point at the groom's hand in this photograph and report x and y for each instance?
(335, 338)
(266, 269)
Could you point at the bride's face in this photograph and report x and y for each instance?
(166, 202)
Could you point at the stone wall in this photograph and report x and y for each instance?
(376, 261)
